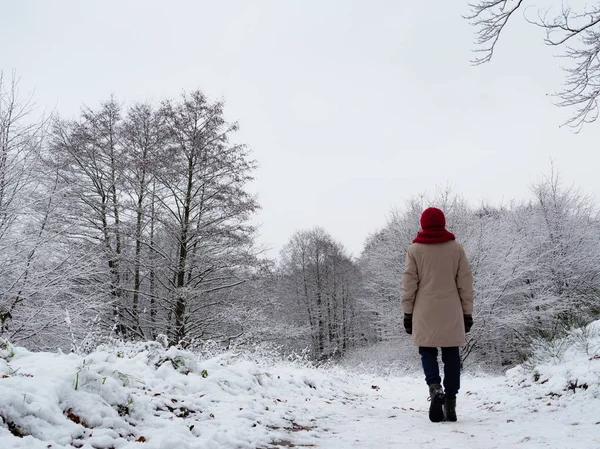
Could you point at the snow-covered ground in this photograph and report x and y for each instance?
(145, 396)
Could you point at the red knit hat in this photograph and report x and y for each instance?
(434, 231)
(433, 218)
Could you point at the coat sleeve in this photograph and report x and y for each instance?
(464, 283)
(410, 283)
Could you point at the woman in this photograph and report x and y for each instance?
(437, 301)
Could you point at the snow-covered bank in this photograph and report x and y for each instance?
(146, 396)
(144, 393)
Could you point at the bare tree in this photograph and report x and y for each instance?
(205, 211)
(144, 136)
(88, 157)
(41, 273)
(20, 145)
(161, 193)
(267, 313)
(576, 31)
(323, 281)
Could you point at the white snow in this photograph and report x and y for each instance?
(145, 396)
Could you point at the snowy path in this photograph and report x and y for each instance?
(491, 415)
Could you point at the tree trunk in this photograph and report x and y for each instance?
(180, 305)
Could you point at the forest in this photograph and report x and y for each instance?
(134, 222)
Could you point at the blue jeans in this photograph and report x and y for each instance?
(451, 359)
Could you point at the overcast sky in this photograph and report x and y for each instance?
(350, 107)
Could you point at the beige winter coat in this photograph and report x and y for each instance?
(437, 288)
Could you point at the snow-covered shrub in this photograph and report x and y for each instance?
(567, 364)
(7, 351)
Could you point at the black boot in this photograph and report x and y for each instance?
(450, 409)
(436, 396)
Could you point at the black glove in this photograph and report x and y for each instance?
(408, 323)
(468, 322)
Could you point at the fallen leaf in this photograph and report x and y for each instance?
(374, 387)
(141, 439)
(212, 416)
(72, 416)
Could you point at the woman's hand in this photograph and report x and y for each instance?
(468, 322)
(408, 323)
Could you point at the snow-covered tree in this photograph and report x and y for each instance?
(321, 282)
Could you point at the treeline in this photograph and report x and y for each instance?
(536, 266)
(136, 222)
(132, 222)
